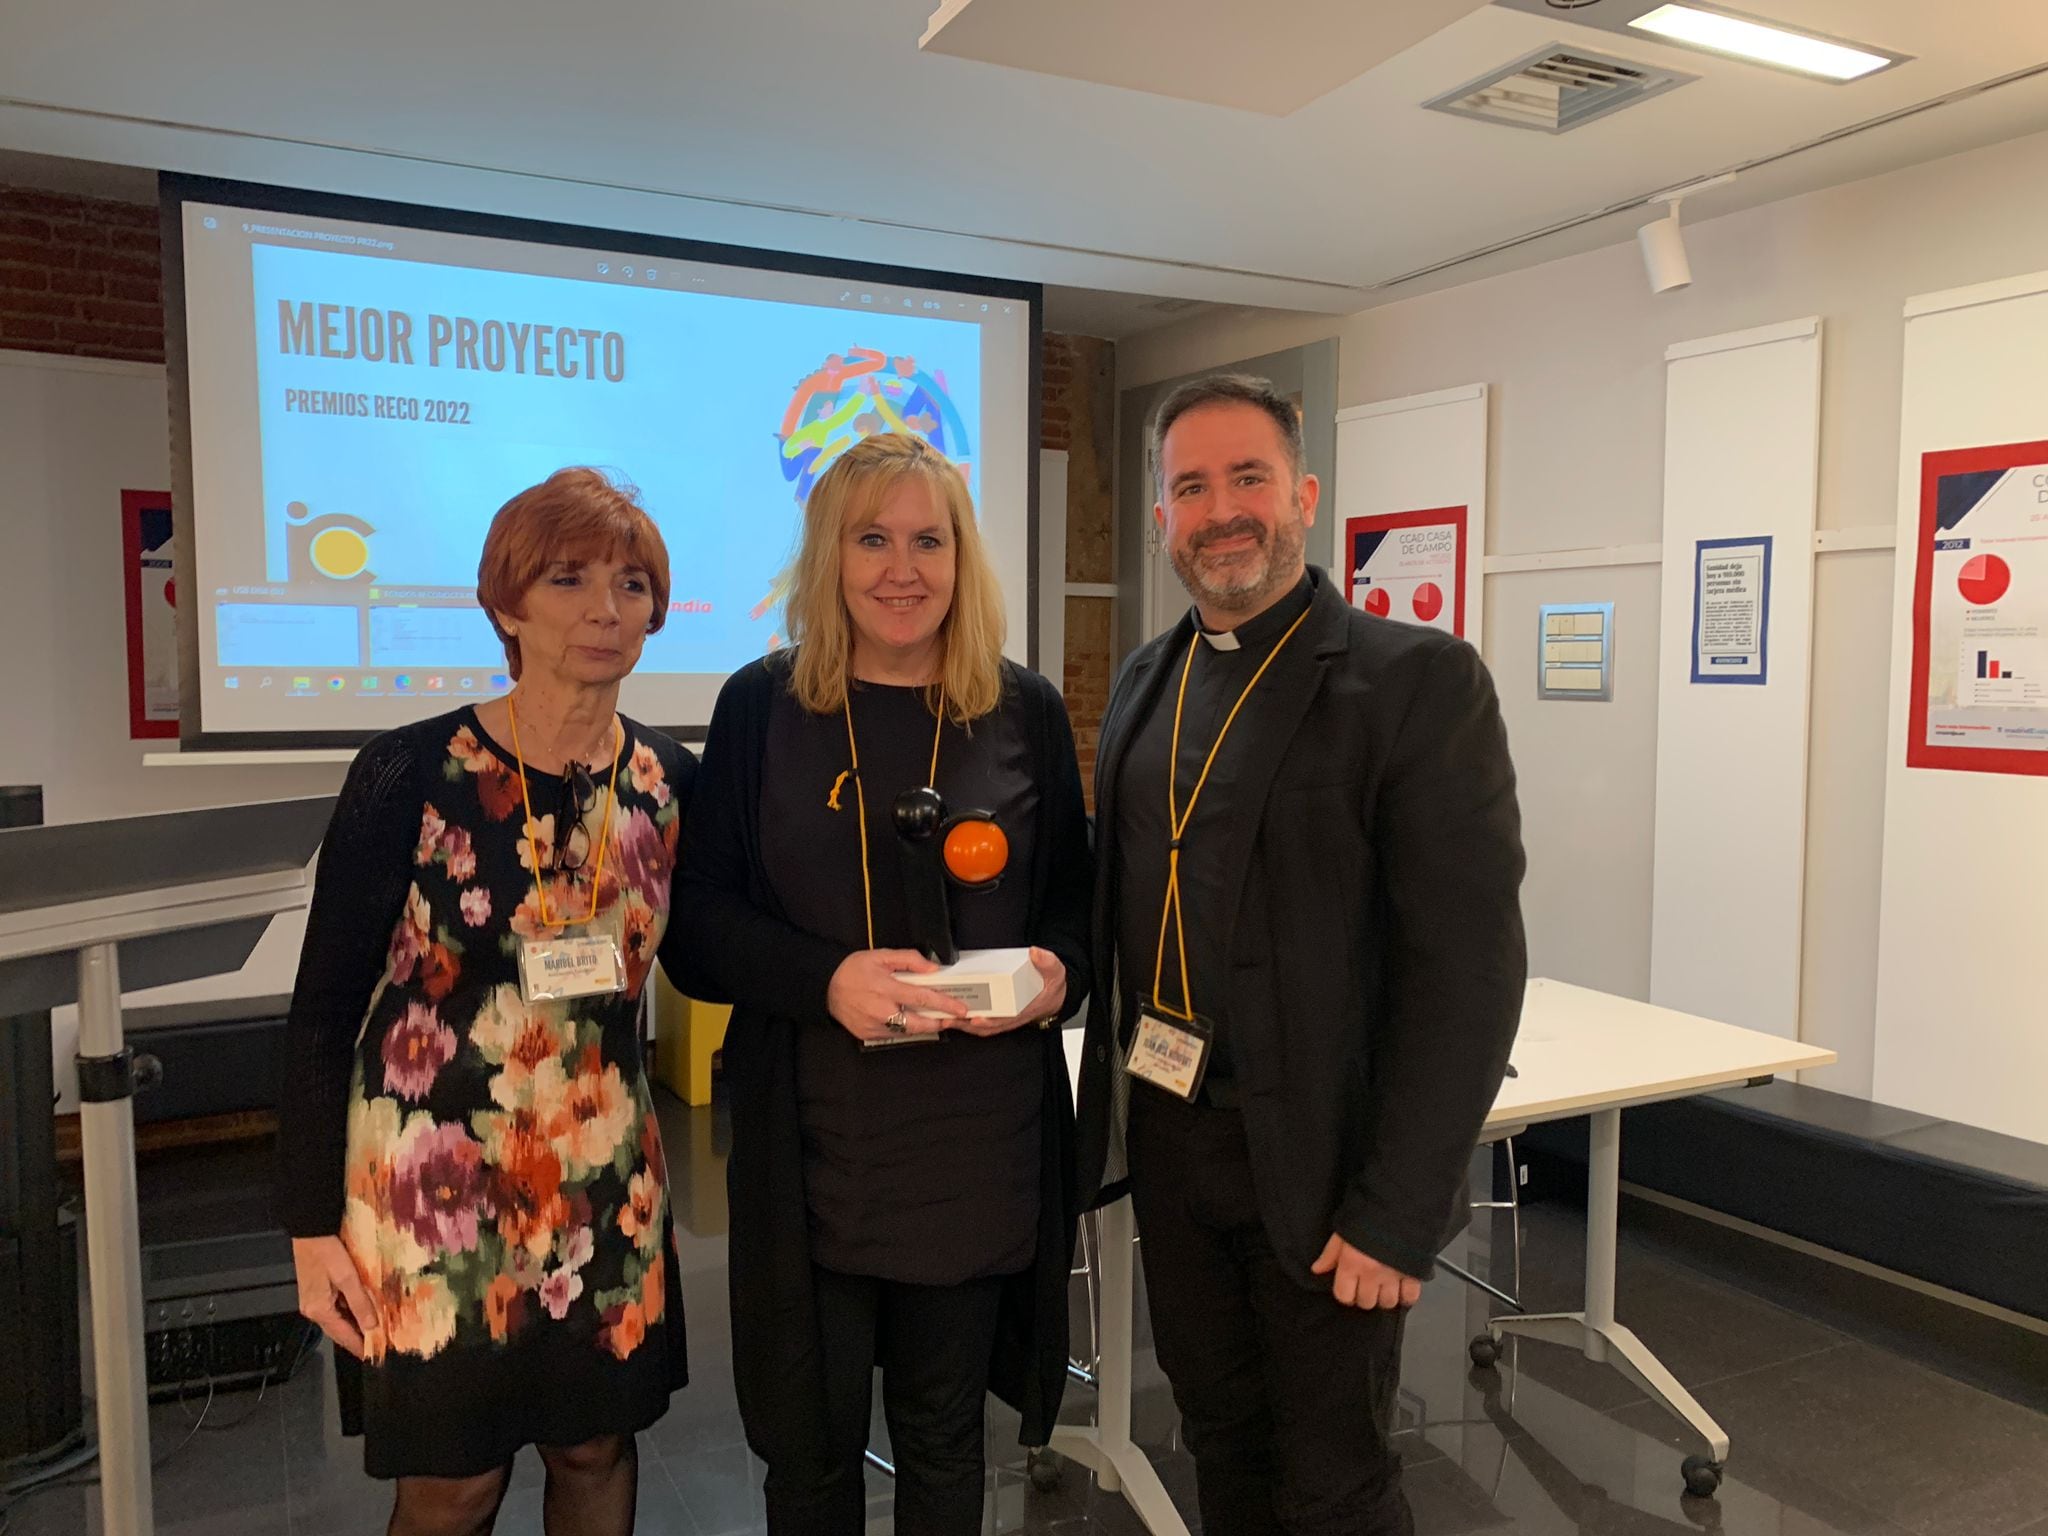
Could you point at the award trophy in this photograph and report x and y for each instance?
(942, 848)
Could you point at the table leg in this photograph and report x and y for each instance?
(1594, 1331)
(1118, 1465)
(1603, 1227)
(113, 1253)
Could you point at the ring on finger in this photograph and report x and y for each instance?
(897, 1022)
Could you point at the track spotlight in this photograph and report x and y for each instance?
(1664, 253)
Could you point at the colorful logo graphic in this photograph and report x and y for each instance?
(856, 396)
(333, 547)
(852, 397)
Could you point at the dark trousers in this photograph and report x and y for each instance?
(934, 1345)
(1286, 1398)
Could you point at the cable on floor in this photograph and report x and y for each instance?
(58, 1474)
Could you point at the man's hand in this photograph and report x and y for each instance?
(1362, 1280)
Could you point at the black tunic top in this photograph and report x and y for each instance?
(743, 946)
(1217, 678)
(920, 1160)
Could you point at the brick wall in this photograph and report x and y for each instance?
(80, 276)
(1056, 378)
(1079, 408)
(1088, 673)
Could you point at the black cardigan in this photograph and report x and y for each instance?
(776, 975)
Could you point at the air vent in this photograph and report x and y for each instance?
(1173, 306)
(1557, 89)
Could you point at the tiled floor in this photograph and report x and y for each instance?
(1832, 1434)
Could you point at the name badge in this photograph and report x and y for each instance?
(1170, 1054)
(570, 965)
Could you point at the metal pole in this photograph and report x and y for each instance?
(113, 1252)
(1113, 1403)
(1477, 1284)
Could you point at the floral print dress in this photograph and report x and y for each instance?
(500, 1181)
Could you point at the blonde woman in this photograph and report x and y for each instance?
(909, 1208)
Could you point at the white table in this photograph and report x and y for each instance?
(1577, 1053)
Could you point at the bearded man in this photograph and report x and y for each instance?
(1310, 948)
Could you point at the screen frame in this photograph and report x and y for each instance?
(175, 189)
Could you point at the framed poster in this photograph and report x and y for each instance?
(1408, 566)
(1731, 611)
(152, 596)
(1977, 699)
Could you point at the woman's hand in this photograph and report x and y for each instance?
(865, 996)
(332, 1294)
(1052, 996)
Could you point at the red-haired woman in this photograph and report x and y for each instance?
(472, 1172)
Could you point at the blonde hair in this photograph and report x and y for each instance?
(846, 499)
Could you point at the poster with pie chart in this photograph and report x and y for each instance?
(1979, 689)
(151, 598)
(1408, 566)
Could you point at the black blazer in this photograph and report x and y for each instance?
(742, 949)
(1376, 952)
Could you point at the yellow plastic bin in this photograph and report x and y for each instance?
(687, 1034)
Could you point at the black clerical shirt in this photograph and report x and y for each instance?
(1223, 664)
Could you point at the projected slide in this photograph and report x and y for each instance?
(364, 398)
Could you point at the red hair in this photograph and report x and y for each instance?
(577, 515)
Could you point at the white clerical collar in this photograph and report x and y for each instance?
(1220, 639)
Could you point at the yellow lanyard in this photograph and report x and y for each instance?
(860, 795)
(604, 836)
(1177, 820)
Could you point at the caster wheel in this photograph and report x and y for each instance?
(1485, 1351)
(1045, 1471)
(1702, 1477)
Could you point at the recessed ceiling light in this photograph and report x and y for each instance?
(1761, 42)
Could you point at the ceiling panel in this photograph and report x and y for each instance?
(1217, 51)
(816, 125)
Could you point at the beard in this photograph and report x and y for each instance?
(1246, 578)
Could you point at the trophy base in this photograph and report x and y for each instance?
(993, 983)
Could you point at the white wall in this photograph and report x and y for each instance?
(1588, 778)
(1574, 351)
(1962, 977)
(1852, 600)
(73, 435)
(1741, 459)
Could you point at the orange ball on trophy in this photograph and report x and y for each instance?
(977, 852)
(966, 847)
